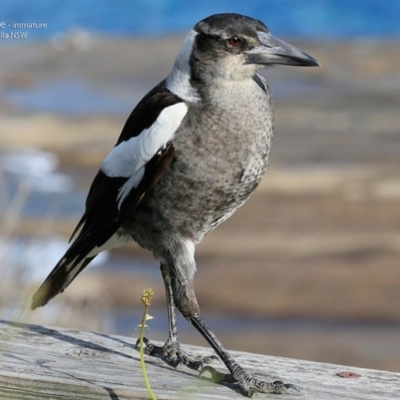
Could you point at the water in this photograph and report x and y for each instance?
(79, 97)
(321, 19)
(306, 19)
(33, 187)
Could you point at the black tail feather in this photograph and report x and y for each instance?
(61, 276)
(72, 263)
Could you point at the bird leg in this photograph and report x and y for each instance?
(248, 384)
(172, 352)
(186, 302)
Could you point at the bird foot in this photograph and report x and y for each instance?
(247, 383)
(173, 354)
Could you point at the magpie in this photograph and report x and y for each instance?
(191, 152)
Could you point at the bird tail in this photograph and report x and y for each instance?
(82, 251)
(62, 275)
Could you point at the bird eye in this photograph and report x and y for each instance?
(234, 41)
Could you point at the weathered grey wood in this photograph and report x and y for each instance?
(54, 363)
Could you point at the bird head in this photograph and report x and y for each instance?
(230, 47)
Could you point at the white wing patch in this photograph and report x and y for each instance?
(129, 158)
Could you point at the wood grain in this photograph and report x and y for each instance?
(40, 362)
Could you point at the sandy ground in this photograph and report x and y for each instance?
(319, 240)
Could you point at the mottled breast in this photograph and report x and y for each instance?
(221, 155)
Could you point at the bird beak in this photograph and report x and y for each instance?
(275, 51)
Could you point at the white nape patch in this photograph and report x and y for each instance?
(178, 81)
(129, 158)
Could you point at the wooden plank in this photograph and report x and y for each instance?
(55, 363)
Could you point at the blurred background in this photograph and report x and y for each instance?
(308, 268)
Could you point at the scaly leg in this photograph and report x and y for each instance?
(247, 383)
(185, 301)
(172, 351)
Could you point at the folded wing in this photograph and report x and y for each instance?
(142, 154)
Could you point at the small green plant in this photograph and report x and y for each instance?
(146, 297)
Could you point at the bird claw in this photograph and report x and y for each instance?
(248, 384)
(281, 387)
(173, 354)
